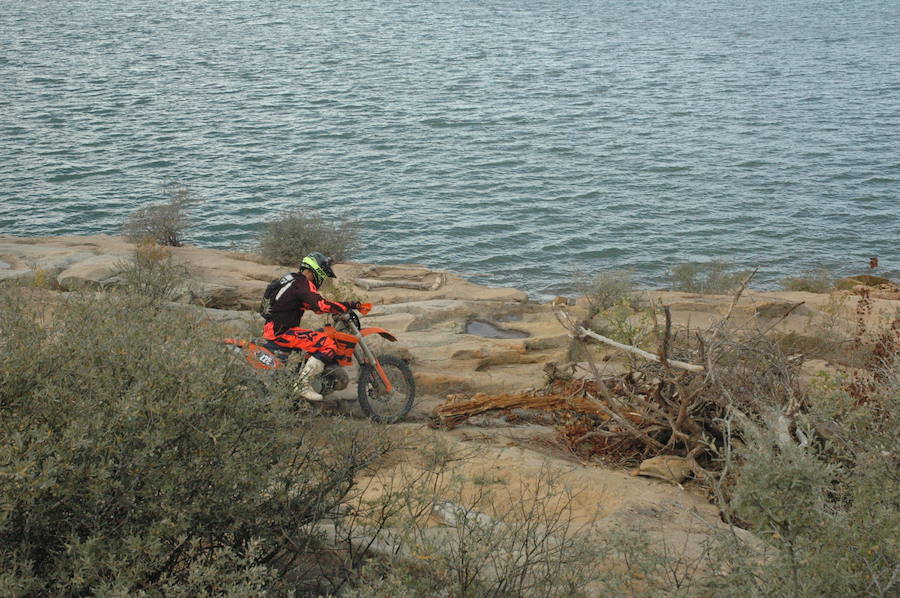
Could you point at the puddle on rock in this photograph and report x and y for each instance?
(509, 318)
(488, 330)
(4, 265)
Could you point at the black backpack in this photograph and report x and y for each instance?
(274, 290)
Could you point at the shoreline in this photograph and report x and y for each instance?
(451, 328)
(700, 268)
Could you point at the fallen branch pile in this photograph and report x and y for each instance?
(691, 397)
(560, 397)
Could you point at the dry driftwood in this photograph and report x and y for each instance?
(666, 407)
(580, 331)
(453, 412)
(683, 411)
(652, 357)
(419, 285)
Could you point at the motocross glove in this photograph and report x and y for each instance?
(352, 305)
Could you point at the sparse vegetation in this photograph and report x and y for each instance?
(613, 307)
(152, 275)
(828, 505)
(625, 324)
(815, 281)
(495, 541)
(40, 278)
(605, 290)
(716, 276)
(162, 223)
(294, 234)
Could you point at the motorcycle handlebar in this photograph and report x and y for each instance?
(364, 309)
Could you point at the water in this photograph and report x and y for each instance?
(516, 142)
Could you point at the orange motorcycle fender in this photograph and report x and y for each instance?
(381, 331)
(258, 357)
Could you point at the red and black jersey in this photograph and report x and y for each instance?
(302, 295)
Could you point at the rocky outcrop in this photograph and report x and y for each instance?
(451, 330)
(608, 501)
(665, 467)
(458, 336)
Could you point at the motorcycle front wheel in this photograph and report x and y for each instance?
(380, 405)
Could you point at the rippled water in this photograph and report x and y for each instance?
(518, 140)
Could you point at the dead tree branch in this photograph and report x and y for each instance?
(419, 285)
(650, 356)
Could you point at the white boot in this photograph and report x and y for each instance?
(303, 386)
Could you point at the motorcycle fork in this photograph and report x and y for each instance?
(368, 356)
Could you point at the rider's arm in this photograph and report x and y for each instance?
(320, 304)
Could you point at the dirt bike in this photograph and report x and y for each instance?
(385, 387)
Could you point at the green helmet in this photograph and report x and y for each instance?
(319, 265)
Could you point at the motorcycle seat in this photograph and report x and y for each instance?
(280, 352)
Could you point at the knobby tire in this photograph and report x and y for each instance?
(378, 406)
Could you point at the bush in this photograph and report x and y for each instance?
(829, 507)
(622, 323)
(163, 223)
(605, 290)
(139, 459)
(294, 234)
(816, 281)
(713, 277)
(152, 274)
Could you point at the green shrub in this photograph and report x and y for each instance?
(294, 234)
(716, 276)
(152, 274)
(815, 281)
(139, 459)
(163, 223)
(606, 289)
(826, 500)
(622, 323)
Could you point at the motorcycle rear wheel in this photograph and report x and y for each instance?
(381, 406)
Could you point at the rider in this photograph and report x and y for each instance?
(297, 296)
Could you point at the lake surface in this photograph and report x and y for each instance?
(514, 141)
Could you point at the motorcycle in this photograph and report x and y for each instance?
(385, 387)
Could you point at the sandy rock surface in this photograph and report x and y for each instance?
(506, 464)
(458, 336)
(429, 311)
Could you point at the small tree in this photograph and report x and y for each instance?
(163, 223)
(295, 233)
